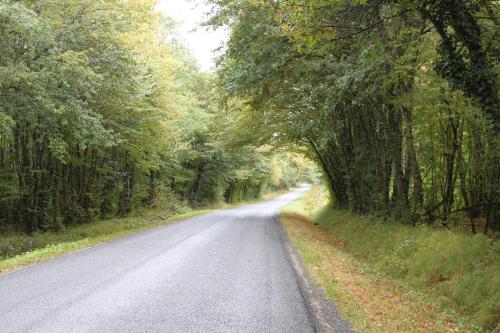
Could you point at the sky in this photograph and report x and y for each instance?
(189, 14)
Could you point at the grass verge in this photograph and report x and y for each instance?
(44, 246)
(18, 250)
(394, 278)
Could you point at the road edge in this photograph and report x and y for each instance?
(324, 314)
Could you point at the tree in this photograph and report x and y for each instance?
(346, 80)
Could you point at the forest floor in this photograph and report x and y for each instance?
(372, 298)
(19, 250)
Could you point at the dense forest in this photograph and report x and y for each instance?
(396, 100)
(109, 127)
(103, 111)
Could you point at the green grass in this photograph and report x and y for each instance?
(18, 250)
(461, 272)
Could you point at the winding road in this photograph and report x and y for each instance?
(227, 271)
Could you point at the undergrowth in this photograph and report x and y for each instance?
(17, 250)
(460, 271)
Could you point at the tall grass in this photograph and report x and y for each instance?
(20, 249)
(459, 270)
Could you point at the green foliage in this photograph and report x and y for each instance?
(397, 102)
(103, 112)
(352, 84)
(467, 51)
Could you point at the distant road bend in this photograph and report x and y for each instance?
(226, 271)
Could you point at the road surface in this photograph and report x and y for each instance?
(226, 271)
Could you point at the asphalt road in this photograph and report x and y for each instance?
(226, 271)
